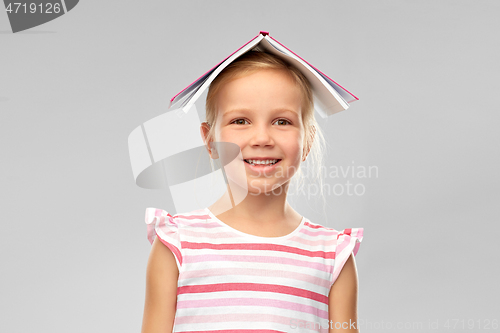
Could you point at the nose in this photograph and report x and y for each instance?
(261, 135)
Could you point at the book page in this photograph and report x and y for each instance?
(327, 99)
(204, 81)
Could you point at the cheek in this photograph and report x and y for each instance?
(293, 147)
(226, 136)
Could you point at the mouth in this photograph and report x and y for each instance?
(262, 167)
(263, 163)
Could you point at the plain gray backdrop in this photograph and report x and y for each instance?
(73, 237)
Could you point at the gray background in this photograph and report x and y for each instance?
(73, 238)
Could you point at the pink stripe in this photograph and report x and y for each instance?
(260, 302)
(273, 260)
(258, 247)
(208, 288)
(330, 233)
(356, 248)
(204, 234)
(315, 226)
(315, 233)
(254, 272)
(358, 232)
(343, 245)
(193, 217)
(314, 68)
(205, 225)
(312, 243)
(171, 100)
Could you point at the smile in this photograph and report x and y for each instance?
(262, 162)
(263, 166)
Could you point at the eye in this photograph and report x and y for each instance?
(283, 119)
(237, 120)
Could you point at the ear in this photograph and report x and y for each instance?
(204, 130)
(309, 143)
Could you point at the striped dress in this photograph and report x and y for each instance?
(230, 281)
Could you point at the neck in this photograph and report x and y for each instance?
(265, 207)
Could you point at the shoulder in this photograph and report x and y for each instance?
(319, 236)
(170, 229)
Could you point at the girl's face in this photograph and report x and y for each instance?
(261, 113)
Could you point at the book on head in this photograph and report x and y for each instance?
(329, 96)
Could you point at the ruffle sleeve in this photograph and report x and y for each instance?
(348, 240)
(162, 224)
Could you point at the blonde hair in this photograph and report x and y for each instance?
(254, 61)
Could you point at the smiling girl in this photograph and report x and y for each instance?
(260, 266)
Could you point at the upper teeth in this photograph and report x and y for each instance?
(262, 161)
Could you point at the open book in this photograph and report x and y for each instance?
(329, 96)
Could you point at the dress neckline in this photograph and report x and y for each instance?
(295, 231)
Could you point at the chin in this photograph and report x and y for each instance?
(260, 187)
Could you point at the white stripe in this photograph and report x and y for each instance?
(243, 309)
(252, 294)
(242, 325)
(283, 281)
(260, 253)
(286, 269)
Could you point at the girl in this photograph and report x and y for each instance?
(260, 266)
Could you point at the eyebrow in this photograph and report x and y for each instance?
(251, 111)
